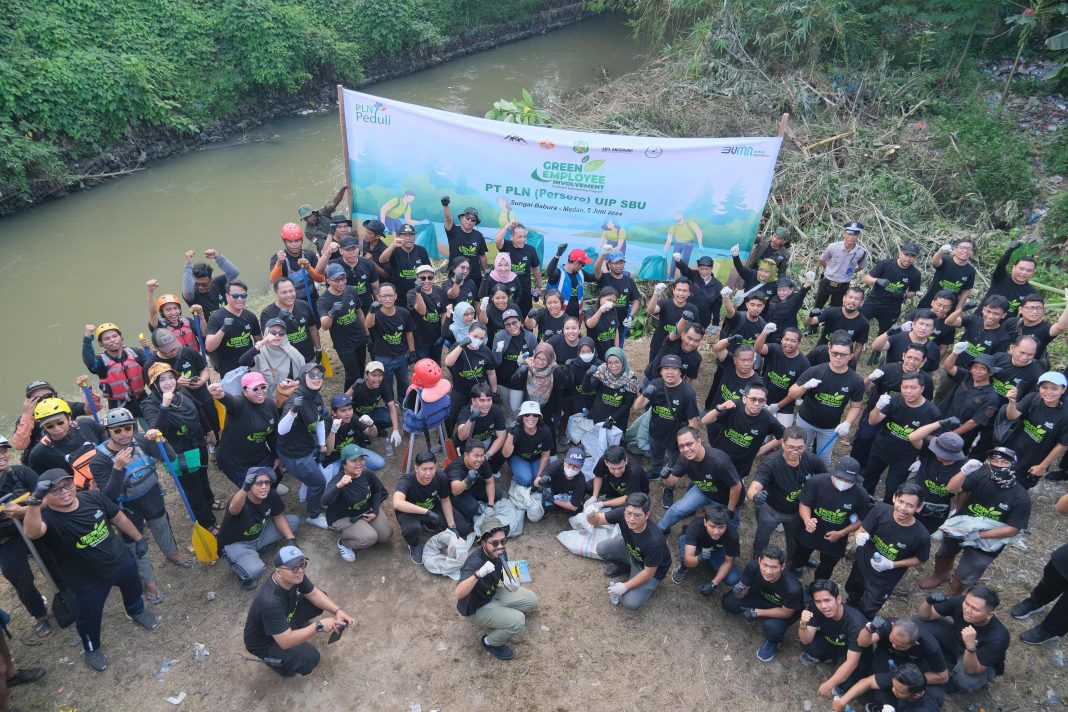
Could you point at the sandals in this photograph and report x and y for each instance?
(43, 629)
(154, 600)
(181, 562)
(218, 505)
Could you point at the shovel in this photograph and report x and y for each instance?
(204, 544)
(62, 607)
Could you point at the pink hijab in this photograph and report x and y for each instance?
(502, 268)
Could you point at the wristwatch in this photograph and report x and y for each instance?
(318, 626)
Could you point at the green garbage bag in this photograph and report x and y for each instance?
(536, 240)
(427, 237)
(653, 268)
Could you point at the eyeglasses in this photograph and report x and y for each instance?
(756, 400)
(841, 354)
(467, 216)
(299, 567)
(274, 332)
(239, 295)
(794, 448)
(262, 483)
(427, 278)
(62, 488)
(497, 543)
(121, 428)
(1037, 307)
(257, 389)
(317, 375)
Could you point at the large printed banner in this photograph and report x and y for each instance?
(649, 196)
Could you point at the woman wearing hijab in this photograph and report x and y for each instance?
(577, 398)
(302, 439)
(542, 381)
(249, 437)
(274, 357)
(169, 408)
(615, 388)
(463, 316)
(501, 276)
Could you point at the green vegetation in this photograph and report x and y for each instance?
(77, 76)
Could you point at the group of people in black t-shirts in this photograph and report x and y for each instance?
(527, 386)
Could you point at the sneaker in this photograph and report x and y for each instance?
(25, 676)
(1026, 608)
(668, 498)
(97, 660)
(767, 651)
(501, 652)
(416, 554)
(319, 521)
(346, 553)
(873, 707)
(146, 619)
(807, 659)
(282, 490)
(614, 568)
(679, 574)
(249, 584)
(1037, 636)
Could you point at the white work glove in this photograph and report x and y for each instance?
(914, 467)
(882, 563)
(946, 248)
(607, 307)
(971, 466)
(617, 587)
(659, 288)
(862, 538)
(395, 438)
(735, 250)
(510, 584)
(812, 383)
(335, 426)
(488, 510)
(366, 420)
(810, 276)
(876, 374)
(725, 292)
(906, 327)
(483, 303)
(884, 400)
(842, 429)
(627, 322)
(677, 256)
(773, 408)
(593, 505)
(770, 328)
(960, 347)
(487, 568)
(500, 347)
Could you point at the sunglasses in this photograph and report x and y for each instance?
(317, 375)
(239, 295)
(262, 483)
(427, 278)
(299, 567)
(274, 332)
(497, 543)
(256, 389)
(841, 354)
(121, 428)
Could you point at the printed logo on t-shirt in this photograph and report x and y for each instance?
(99, 533)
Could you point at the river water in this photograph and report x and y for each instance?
(85, 259)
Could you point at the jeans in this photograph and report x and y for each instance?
(862, 441)
(615, 550)
(505, 614)
(718, 557)
(1052, 587)
(660, 455)
(523, 472)
(244, 556)
(774, 629)
(300, 659)
(16, 569)
(821, 435)
(90, 602)
(307, 470)
(693, 500)
(396, 369)
(427, 351)
(768, 520)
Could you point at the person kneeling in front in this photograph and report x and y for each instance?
(640, 551)
(479, 595)
(255, 519)
(769, 593)
(279, 623)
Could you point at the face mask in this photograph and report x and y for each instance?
(571, 473)
(476, 342)
(841, 485)
(1003, 477)
(586, 358)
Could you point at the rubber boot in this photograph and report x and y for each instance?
(939, 576)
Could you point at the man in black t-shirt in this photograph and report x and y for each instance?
(897, 417)
(986, 493)
(672, 404)
(983, 333)
(490, 595)
(427, 306)
(709, 539)
(735, 372)
(768, 593)
(831, 506)
(713, 478)
(828, 391)
(828, 631)
(973, 640)
(391, 330)
(782, 364)
(615, 476)
(279, 622)
(953, 272)
(200, 289)
(627, 298)
(92, 560)
(672, 314)
(403, 258)
(744, 428)
(254, 520)
(231, 330)
(910, 334)
(904, 689)
(1012, 285)
(465, 241)
(892, 281)
(359, 272)
(471, 481)
(746, 324)
(640, 552)
(847, 318)
(341, 313)
(894, 642)
(512, 240)
(423, 498)
(973, 401)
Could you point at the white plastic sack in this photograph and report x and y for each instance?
(966, 528)
(508, 513)
(577, 426)
(595, 442)
(444, 553)
(523, 499)
(583, 537)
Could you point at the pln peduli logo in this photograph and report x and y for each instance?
(372, 114)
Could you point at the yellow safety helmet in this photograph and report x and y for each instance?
(50, 407)
(107, 326)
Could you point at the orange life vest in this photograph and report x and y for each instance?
(125, 380)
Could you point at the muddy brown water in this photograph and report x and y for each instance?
(85, 259)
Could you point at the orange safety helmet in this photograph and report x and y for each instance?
(426, 374)
(167, 299)
(292, 231)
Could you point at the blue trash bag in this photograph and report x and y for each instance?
(653, 268)
(588, 269)
(536, 240)
(427, 237)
